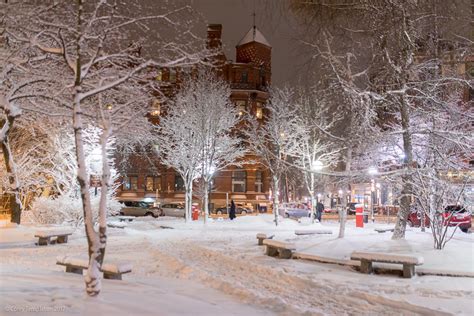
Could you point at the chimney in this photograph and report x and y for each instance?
(214, 32)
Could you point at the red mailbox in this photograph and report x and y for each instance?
(359, 215)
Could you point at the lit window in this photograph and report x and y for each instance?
(159, 75)
(149, 184)
(259, 111)
(172, 75)
(258, 181)
(153, 183)
(130, 183)
(239, 178)
(178, 183)
(241, 106)
(156, 108)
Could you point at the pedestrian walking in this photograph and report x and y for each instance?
(232, 210)
(319, 210)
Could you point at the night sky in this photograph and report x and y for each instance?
(271, 19)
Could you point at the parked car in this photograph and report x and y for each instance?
(139, 208)
(173, 209)
(351, 208)
(457, 215)
(238, 210)
(453, 215)
(414, 218)
(294, 210)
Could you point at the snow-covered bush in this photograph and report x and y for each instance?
(67, 209)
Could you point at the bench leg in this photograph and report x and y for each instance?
(62, 239)
(366, 266)
(112, 276)
(260, 241)
(284, 253)
(43, 241)
(271, 251)
(408, 271)
(74, 270)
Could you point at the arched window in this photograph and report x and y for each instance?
(239, 179)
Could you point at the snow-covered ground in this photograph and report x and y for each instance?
(218, 269)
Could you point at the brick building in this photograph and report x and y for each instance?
(248, 77)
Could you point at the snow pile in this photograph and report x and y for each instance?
(67, 210)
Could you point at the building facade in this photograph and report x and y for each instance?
(249, 78)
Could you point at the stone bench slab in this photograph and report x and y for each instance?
(261, 237)
(110, 270)
(387, 258)
(367, 258)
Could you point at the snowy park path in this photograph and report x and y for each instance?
(218, 270)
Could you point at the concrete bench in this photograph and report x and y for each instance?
(367, 258)
(313, 231)
(77, 265)
(261, 237)
(125, 218)
(384, 230)
(44, 237)
(278, 248)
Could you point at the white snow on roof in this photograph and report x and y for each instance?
(254, 35)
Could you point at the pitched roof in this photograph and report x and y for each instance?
(254, 35)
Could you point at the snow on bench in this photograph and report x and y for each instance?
(278, 248)
(125, 218)
(384, 229)
(261, 237)
(117, 224)
(110, 270)
(44, 237)
(313, 231)
(408, 262)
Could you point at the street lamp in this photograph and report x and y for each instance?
(316, 165)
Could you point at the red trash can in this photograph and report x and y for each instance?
(195, 214)
(359, 215)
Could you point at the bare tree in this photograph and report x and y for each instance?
(277, 138)
(95, 49)
(201, 124)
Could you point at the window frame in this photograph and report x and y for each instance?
(239, 180)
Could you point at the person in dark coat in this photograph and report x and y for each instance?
(319, 210)
(232, 210)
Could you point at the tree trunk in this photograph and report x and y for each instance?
(12, 112)
(13, 179)
(342, 212)
(105, 185)
(407, 188)
(206, 200)
(275, 198)
(93, 277)
(188, 201)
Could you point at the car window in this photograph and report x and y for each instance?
(455, 209)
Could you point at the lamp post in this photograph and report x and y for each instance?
(211, 171)
(316, 165)
(372, 171)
